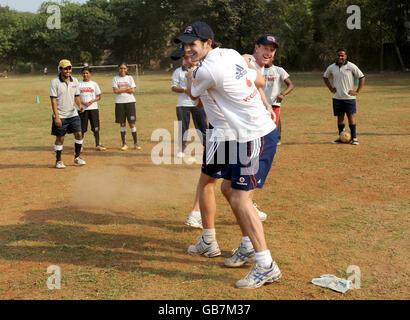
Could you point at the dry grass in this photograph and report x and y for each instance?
(115, 227)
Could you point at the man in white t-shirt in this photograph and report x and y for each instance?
(186, 107)
(229, 81)
(343, 73)
(274, 76)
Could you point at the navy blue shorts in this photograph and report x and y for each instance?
(254, 162)
(340, 107)
(69, 125)
(246, 165)
(216, 159)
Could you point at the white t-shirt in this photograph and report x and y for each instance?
(65, 94)
(273, 80)
(225, 75)
(343, 79)
(179, 80)
(221, 131)
(122, 83)
(89, 91)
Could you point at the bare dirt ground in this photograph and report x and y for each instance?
(116, 228)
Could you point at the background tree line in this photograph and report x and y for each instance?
(141, 31)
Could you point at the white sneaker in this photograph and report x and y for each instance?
(354, 141)
(180, 155)
(60, 165)
(240, 256)
(124, 147)
(101, 148)
(259, 275)
(79, 161)
(207, 249)
(137, 147)
(262, 215)
(194, 220)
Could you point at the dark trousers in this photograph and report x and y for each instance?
(199, 118)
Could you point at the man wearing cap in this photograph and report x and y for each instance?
(230, 83)
(64, 94)
(274, 76)
(343, 74)
(186, 106)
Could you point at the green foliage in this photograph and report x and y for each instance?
(141, 31)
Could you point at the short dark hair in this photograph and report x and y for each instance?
(123, 63)
(341, 49)
(86, 68)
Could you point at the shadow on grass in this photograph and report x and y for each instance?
(60, 235)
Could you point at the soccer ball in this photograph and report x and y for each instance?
(345, 137)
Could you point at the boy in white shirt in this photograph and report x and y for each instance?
(90, 94)
(186, 107)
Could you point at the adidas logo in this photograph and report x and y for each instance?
(240, 72)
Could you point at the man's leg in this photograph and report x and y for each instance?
(194, 218)
(199, 118)
(352, 126)
(78, 143)
(207, 244)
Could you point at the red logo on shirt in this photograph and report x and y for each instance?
(348, 70)
(87, 90)
(252, 95)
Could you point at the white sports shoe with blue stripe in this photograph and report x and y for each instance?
(209, 250)
(240, 256)
(259, 275)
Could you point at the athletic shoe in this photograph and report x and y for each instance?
(194, 221)
(279, 143)
(240, 256)
(262, 215)
(101, 148)
(354, 141)
(259, 275)
(124, 147)
(191, 160)
(79, 161)
(180, 154)
(137, 147)
(337, 141)
(207, 249)
(60, 165)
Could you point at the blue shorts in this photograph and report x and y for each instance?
(69, 125)
(340, 107)
(246, 165)
(254, 162)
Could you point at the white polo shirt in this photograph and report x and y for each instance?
(179, 80)
(122, 83)
(65, 94)
(88, 91)
(273, 81)
(343, 79)
(224, 74)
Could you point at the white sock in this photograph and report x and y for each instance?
(209, 235)
(196, 214)
(246, 243)
(263, 258)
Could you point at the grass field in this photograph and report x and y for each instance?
(115, 227)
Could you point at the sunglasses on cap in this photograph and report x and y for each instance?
(66, 68)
